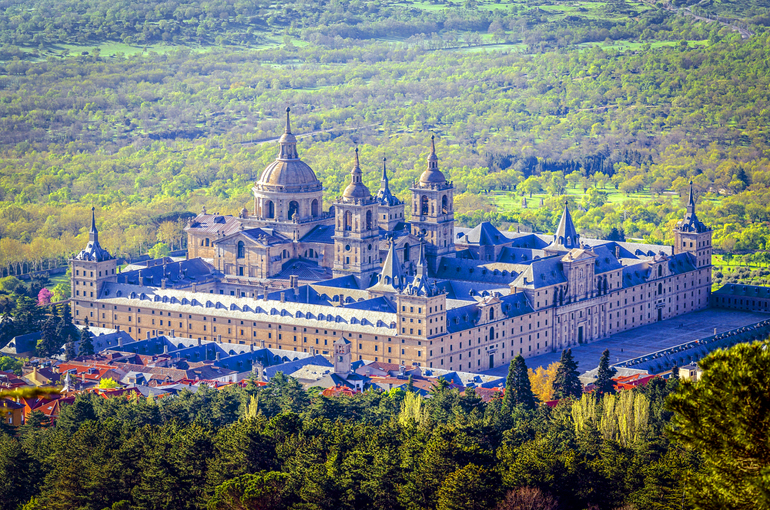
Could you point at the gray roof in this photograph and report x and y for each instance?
(323, 234)
(182, 273)
(391, 277)
(734, 289)
(499, 273)
(22, 344)
(542, 273)
(484, 234)
(214, 224)
(465, 317)
(292, 366)
(566, 235)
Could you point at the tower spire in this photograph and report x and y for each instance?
(385, 171)
(93, 234)
(288, 121)
(288, 142)
(691, 201)
(566, 235)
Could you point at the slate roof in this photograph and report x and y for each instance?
(262, 236)
(214, 224)
(304, 269)
(319, 234)
(542, 273)
(466, 317)
(499, 273)
(605, 260)
(732, 289)
(484, 234)
(391, 278)
(184, 272)
(22, 344)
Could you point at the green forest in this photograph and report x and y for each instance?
(149, 111)
(669, 445)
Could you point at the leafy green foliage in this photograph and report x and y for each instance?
(725, 417)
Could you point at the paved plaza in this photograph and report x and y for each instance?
(647, 339)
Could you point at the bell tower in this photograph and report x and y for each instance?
(342, 356)
(692, 235)
(433, 209)
(356, 230)
(91, 269)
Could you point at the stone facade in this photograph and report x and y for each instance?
(403, 292)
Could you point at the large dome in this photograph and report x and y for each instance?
(290, 175)
(288, 172)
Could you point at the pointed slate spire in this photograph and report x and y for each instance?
(391, 277)
(384, 195)
(691, 201)
(93, 234)
(93, 250)
(691, 223)
(566, 235)
(421, 284)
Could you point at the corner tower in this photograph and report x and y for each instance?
(356, 231)
(91, 269)
(433, 209)
(691, 235)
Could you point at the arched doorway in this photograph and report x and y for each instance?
(270, 207)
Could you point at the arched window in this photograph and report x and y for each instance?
(660, 289)
(491, 314)
(348, 221)
(207, 241)
(660, 270)
(293, 209)
(368, 220)
(444, 205)
(424, 206)
(241, 250)
(270, 206)
(406, 252)
(491, 333)
(314, 208)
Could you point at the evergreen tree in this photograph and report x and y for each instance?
(566, 384)
(86, 345)
(69, 350)
(410, 385)
(518, 390)
(605, 374)
(49, 343)
(7, 329)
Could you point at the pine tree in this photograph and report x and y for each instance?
(69, 350)
(86, 345)
(566, 384)
(518, 390)
(49, 343)
(605, 374)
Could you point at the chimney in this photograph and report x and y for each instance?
(260, 371)
(294, 281)
(194, 288)
(252, 347)
(173, 333)
(219, 339)
(283, 297)
(165, 348)
(120, 341)
(117, 328)
(163, 283)
(617, 252)
(148, 335)
(199, 341)
(218, 356)
(264, 294)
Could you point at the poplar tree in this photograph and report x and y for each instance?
(566, 384)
